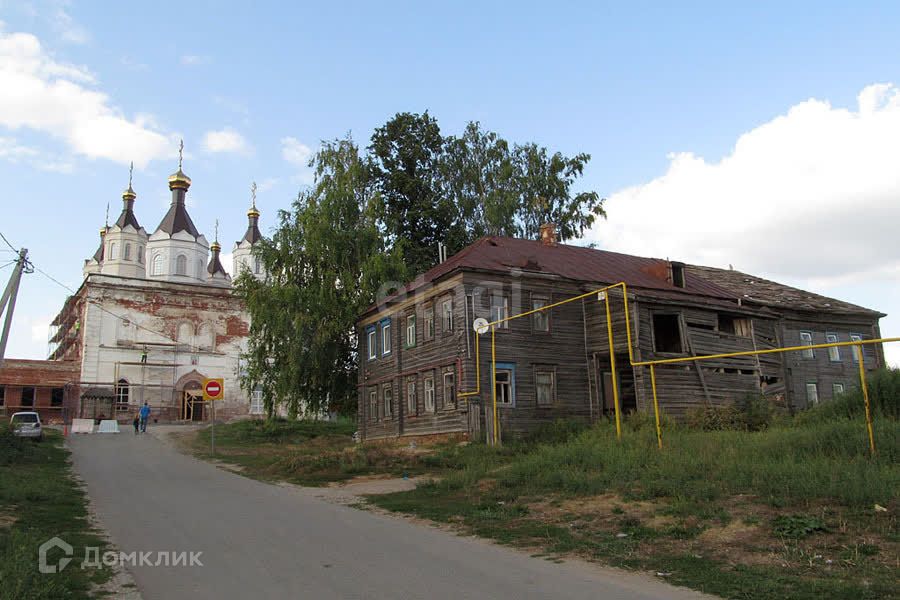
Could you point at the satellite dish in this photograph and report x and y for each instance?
(480, 325)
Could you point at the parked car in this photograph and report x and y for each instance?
(27, 424)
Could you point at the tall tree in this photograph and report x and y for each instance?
(405, 158)
(324, 265)
(545, 186)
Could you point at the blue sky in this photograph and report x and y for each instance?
(656, 93)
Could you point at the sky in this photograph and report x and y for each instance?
(766, 137)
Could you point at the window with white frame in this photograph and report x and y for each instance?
(372, 343)
(429, 393)
(540, 321)
(156, 268)
(429, 322)
(113, 251)
(834, 353)
(806, 340)
(388, 397)
(256, 402)
(855, 350)
(447, 315)
(812, 394)
(127, 254)
(837, 389)
(500, 309)
(449, 390)
(545, 386)
(140, 255)
(385, 337)
(181, 265)
(504, 387)
(411, 408)
(410, 331)
(373, 405)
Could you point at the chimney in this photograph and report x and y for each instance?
(548, 234)
(677, 274)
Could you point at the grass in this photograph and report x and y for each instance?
(39, 499)
(780, 507)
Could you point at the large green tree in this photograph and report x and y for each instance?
(324, 265)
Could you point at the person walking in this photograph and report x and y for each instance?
(145, 414)
(136, 422)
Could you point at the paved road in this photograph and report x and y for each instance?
(265, 541)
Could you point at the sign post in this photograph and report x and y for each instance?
(213, 390)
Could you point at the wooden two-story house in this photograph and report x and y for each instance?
(418, 373)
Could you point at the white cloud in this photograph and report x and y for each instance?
(810, 197)
(15, 153)
(298, 154)
(43, 94)
(225, 140)
(194, 60)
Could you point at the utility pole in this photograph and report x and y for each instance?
(8, 301)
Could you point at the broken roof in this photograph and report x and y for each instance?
(763, 292)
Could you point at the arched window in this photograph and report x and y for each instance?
(157, 267)
(113, 251)
(185, 334)
(127, 255)
(200, 269)
(257, 266)
(181, 265)
(122, 394)
(140, 255)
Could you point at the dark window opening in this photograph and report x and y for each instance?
(667, 334)
(678, 274)
(748, 372)
(56, 396)
(731, 371)
(2, 396)
(705, 326)
(27, 396)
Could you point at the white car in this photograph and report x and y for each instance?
(27, 424)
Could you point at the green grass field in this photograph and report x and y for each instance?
(39, 499)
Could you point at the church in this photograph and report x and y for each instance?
(155, 315)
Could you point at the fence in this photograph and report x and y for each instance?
(603, 295)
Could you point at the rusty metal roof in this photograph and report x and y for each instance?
(577, 263)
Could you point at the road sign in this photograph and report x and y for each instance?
(213, 389)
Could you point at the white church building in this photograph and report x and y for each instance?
(155, 315)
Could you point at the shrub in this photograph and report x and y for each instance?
(884, 400)
(753, 413)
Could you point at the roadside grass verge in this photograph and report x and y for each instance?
(785, 512)
(39, 499)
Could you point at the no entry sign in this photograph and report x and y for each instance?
(213, 389)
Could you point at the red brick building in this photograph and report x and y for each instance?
(46, 386)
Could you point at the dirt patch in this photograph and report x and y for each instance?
(7, 520)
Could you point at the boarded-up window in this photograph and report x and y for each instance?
(667, 333)
(734, 325)
(834, 353)
(545, 387)
(540, 321)
(812, 394)
(185, 334)
(429, 393)
(806, 340)
(449, 390)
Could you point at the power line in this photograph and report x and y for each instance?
(7, 242)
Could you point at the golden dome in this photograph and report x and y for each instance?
(215, 247)
(178, 180)
(129, 194)
(253, 212)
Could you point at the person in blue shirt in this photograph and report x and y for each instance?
(145, 414)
